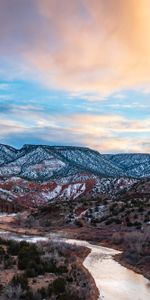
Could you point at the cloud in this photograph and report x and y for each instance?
(90, 49)
(124, 145)
(106, 133)
(6, 97)
(104, 49)
(80, 46)
(4, 87)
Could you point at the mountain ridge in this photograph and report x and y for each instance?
(134, 165)
(37, 174)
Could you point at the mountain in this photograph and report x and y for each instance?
(7, 154)
(38, 174)
(129, 207)
(27, 194)
(45, 162)
(139, 190)
(134, 164)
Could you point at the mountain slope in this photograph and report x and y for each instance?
(90, 160)
(38, 174)
(42, 162)
(7, 154)
(45, 162)
(135, 164)
(27, 193)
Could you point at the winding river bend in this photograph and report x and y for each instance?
(114, 281)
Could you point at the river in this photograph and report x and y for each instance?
(114, 281)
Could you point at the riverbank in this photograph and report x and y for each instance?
(48, 268)
(143, 270)
(9, 227)
(108, 237)
(100, 263)
(133, 256)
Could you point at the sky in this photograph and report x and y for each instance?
(75, 72)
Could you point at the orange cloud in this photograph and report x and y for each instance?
(106, 133)
(98, 45)
(79, 45)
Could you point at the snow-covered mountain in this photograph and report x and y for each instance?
(134, 164)
(45, 162)
(42, 162)
(37, 174)
(7, 154)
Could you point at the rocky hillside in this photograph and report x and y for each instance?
(129, 208)
(134, 165)
(38, 174)
(44, 162)
(27, 193)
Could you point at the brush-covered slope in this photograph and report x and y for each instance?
(37, 174)
(7, 154)
(134, 165)
(45, 162)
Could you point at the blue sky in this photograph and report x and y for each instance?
(63, 81)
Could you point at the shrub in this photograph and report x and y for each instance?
(140, 209)
(109, 221)
(117, 221)
(117, 238)
(78, 223)
(8, 262)
(67, 296)
(58, 286)
(2, 242)
(31, 272)
(20, 280)
(129, 224)
(42, 292)
(27, 255)
(2, 252)
(1, 288)
(13, 248)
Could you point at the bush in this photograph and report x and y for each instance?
(117, 221)
(28, 254)
(58, 286)
(13, 247)
(2, 252)
(67, 296)
(117, 238)
(1, 288)
(140, 209)
(109, 221)
(20, 280)
(43, 292)
(2, 242)
(129, 224)
(78, 223)
(31, 273)
(8, 262)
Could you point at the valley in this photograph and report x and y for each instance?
(78, 193)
